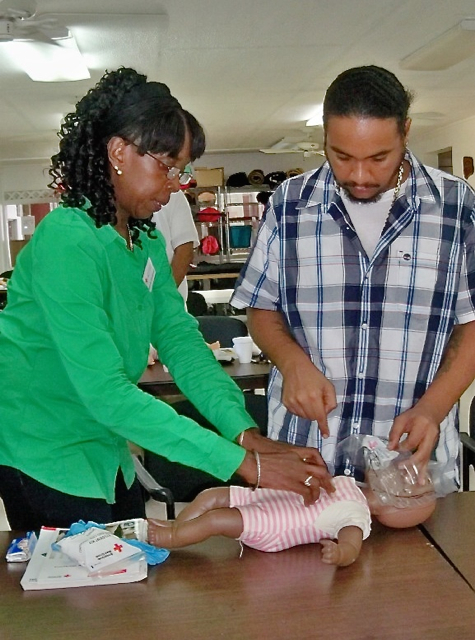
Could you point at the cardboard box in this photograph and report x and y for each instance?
(209, 177)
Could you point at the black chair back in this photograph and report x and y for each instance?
(196, 304)
(186, 482)
(468, 448)
(222, 328)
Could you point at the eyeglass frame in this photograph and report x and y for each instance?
(184, 177)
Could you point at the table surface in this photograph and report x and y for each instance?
(217, 296)
(211, 276)
(209, 271)
(452, 529)
(400, 588)
(247, 376)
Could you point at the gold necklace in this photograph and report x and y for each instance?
(396, 189)
(130, 244)
(400, 173)
(398, 183)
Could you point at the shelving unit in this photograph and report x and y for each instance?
(206, 228)
(239, 208)
(242, 215)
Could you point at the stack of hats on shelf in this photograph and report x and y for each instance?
(257, 178)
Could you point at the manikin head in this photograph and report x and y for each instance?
(401, 512)
(399, 494)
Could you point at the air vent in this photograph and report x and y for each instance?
(6, 30)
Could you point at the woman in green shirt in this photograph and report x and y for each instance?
(90, 292)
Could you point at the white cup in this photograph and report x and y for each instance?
(243, 348)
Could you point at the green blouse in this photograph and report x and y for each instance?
(74, 341)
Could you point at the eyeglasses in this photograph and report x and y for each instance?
(184, 177)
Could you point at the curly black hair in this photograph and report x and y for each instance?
(123, 103)
(371, 92)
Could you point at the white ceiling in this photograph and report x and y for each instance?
(252, 71)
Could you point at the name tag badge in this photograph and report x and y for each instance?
(149, 275)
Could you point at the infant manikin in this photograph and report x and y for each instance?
(395, 492)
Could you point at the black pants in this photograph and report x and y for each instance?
(31, 505)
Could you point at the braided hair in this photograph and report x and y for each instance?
(368, 92)
(123, 103)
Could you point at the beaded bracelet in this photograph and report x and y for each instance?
(258, 464)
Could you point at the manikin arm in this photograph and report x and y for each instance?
(346, 550)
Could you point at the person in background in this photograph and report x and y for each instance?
(361, 285)
(176, 224)
(175, 221)
(90, 292)
(263, 197)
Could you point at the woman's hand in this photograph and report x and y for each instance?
(252, 440)
(296, 469)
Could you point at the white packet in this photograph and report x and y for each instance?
(99, 551)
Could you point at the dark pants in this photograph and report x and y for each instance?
(31, 505)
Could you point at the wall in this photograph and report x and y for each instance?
(459, 136)
(31, 176)
(20, 183)
(247, 162)
(24, 176)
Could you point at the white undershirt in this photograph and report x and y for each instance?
(176, 223)
(369, 218)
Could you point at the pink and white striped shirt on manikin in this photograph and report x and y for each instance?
(275, 520)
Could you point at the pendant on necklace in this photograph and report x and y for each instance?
(130, 244)
(399, 181)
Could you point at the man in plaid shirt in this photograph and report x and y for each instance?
(361, 286)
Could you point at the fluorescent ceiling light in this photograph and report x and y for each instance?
(317, 119)
(58, 61)
(453, 46)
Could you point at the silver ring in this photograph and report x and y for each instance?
(308, 481)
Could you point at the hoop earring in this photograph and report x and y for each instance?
(117, 170)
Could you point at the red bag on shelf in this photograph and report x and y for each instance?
(209, 246)
(209, 214)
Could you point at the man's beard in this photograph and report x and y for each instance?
(352, 198)
(346, 186)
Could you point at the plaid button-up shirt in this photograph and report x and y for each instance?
(376, 326)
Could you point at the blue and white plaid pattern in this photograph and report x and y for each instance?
(376, 327)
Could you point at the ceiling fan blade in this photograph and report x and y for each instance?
(17, 9)
(274, 151)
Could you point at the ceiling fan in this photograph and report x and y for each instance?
(18, 21)
(295, 145)
(48, 46)
(24, 20)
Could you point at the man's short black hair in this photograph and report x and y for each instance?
(368, 92)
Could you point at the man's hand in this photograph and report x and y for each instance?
(422, 422)
(307, 393)
(422, 431)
